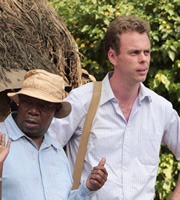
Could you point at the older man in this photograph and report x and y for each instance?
(36, 168)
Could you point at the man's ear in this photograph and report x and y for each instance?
(112, 56)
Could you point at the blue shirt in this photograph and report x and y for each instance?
(32, 174)
(131, 147)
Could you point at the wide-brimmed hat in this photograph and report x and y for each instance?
(46, 86)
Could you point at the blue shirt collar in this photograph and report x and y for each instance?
(15, 133)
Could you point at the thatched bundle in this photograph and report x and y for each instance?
(32, 35)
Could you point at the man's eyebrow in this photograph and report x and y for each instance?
(134, 51)
(138, 50)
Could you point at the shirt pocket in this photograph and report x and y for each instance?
(148, 151)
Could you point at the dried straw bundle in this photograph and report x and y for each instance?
(34, 36)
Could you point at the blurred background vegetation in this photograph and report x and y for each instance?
(88, 20)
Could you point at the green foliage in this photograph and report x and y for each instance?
(167, 175)
(88, 20)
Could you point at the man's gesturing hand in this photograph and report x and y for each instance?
(4, 149)
(98, 176)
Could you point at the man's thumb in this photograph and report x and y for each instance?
(102, 162)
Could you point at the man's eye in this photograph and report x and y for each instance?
(134, 52)
(147, 52)
(45, 107)
(26, 102)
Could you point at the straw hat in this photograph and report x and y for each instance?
(46, 86)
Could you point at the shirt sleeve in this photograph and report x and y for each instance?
(172, 133)
(62, 129)
(82, 193)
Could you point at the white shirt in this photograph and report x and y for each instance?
(131, 148)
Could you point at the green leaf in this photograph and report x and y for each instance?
(173, 48)
(85, 28)
(171, 55)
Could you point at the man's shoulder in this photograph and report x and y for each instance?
(82, 91)
(157, 98)
(2, 126)
(4, 129)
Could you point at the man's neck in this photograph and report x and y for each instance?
(126, 94)
(38, 141)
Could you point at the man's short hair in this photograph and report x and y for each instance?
(121, 25)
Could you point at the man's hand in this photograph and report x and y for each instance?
(98, 176)
(4, 150)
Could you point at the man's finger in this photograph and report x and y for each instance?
(3, 137)
(8, 143)
(102, 162)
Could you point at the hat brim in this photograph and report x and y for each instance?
(39, 94)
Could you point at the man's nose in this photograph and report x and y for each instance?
(143, 57)
(34, 109)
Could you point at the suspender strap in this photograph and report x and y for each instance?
(85, 134)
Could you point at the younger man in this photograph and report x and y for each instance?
(131, 121)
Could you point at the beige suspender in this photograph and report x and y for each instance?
(85, 134)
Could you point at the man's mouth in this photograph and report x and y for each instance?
(142, 71)
(31, 122)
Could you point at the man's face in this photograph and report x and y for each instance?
(132, 64)
(35, 115)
